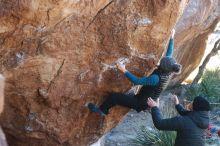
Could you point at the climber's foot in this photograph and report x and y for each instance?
(93, 108)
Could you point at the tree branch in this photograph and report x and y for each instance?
(213, 52)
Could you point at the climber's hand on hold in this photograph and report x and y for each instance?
(172, 33)
(121, 67)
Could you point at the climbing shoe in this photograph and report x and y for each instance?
(93, 108)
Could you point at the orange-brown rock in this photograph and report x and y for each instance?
(58, 55)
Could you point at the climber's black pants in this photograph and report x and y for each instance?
(129, 101)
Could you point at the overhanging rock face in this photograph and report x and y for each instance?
(58, 55)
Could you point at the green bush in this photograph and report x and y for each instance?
(208, 87)
(167, 138)
(154, 137)
(146, 137)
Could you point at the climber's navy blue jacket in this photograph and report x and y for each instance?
(190, 126)
(153, 79)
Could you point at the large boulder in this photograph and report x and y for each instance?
(58, 55)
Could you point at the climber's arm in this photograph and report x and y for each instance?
(169, 52)
(150, 80)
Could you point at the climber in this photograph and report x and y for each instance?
(191, 125)
(153, 85)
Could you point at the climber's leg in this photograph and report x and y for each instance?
(121, 99)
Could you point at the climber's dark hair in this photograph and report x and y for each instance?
(169, 64)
